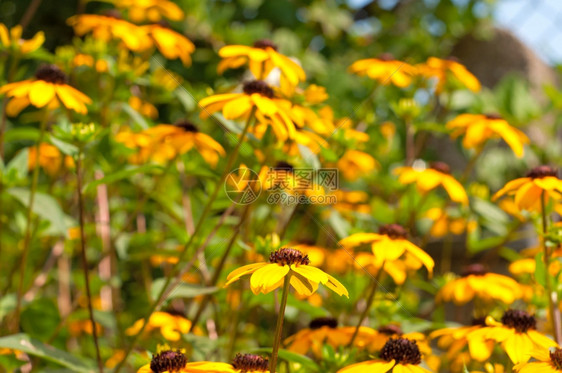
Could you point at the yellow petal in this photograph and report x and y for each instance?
(267, 278)
(41, 93)
(242, 271)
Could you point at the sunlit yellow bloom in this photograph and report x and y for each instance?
(170, 361)
(430, 178)
(153, 10)
(256, 94)
(171, 44)
(48, 89)
(303, 116)
(528, 191)
(444, 224)
(304, 278)
(549, 361)
(315, 94)
(508, 205)
(385, 69)
(490, 368)
(477, 282)
(324, 330)
(354, 164)
(262, 58)
(143, 107)
(332, 260)
(170, 326)
(282, 177)
(516, 334)
(440, 69)
(389, 245)
(50, 159)
(352, 201)
(398, 355)
(477, 129)
(11, 40)
(306, 138)
(376, 339)
(527, 264)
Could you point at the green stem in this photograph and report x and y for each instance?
(84, 258)
(279, 327)
(29, 215)
(206, 211)
(370, 301)
(470, 165)
(554, 311)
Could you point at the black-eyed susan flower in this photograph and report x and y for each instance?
(143, 107)
(175, 361)
(171, 44)
(377, 338)
(50, 159)
(331, 260)
(152, 10)
(256, 94)
(475, 281)
(385, 70)
(324, 330)
(354, 164)
(399, 355)
(427, 179)
(262, 57)
(170, 326)
(47, 89)
(443, 69)
(389, 245)
(516, 334)
(478, 128)
(445, 223)
(548, 361)
(11, 40)
(352, 201)
(304, 278)
(529, 190)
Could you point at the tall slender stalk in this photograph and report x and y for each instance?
(207, 209)
(279, 327)
(29, 223)
(370, 300)
(84, 258)
(553, 305)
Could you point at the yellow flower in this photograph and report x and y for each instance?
(516, 333)
(389, 245)
(48, 89)
(398, 355)
(444, 224)
(477, 282)
(267, 277)
(528, 191)
(323, 330)
(491, 368)
(549, 361)
(153, 10)
(79, 327)
(11, 39)
(171, 44)
(351, 201)
(262, 57)
(175, 361)
(438, 68)
(143, 107)
(376, 339)
(385, 69)
(303, 116)
(170, 326)
(430, 178)
(256, 94)
(477, 129)
(50, 159)
(315, 94)
(354, 164)
(527, 264)
(305, 138)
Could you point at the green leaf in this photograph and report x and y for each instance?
(22, 134)
(135, 116)
(120, 175)
(23, 342)
(46, 207)
(183, 290)
(64, 147)
(18, 166)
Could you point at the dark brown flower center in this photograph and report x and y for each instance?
(393, 231)
(493, 116)
(386, 57)
(475, 269)
(441, 167)
(171, 361)
(323, 321)
(401, 350)
(258, 86)
(287, 256)
(250, 363)
(187, 126)
(480, 321)
(519, 320)
(51, 74)
(556, 358)
(284, 166)
(264, 43)
(541, 171)
(390, 329)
